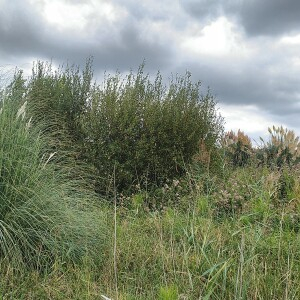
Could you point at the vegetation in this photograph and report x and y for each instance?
(131, 190)
(282, 149)
(43, 214)
(138, 132)
(238, 148)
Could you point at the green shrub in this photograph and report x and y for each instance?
(131, 131)
(142, 132)
(238, 148)
(286, 185)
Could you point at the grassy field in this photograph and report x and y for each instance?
(227, 227)
(192, 251)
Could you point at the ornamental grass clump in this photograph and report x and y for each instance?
(238, 148)
(42, 216)
(57, 98)
(281, 150)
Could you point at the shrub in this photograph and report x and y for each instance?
(131, 131)
(286, 185)
(142, 132)
(231, 196)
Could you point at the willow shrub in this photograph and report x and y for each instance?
(43, 215)
(134, 132)
(57, 98)
(141, 133)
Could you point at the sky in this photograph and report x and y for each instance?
(246, 51)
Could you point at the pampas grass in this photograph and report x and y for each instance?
(43, 216)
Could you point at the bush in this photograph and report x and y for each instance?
(286, 185)
(133, 132)
(141, 133)
(231, 195)
(238, 148)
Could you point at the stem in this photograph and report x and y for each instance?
(115, 234)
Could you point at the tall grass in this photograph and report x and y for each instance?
(42, 215)
(227, 235)
(186, 253)
(194, 252)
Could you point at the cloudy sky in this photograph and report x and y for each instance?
(246, 51)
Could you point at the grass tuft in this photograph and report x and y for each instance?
(42, 215)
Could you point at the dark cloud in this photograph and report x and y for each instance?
(203, 10)
(23, 33)
(21, 30)
(275, 94)
(270, 17)
(257, 17)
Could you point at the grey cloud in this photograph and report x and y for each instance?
(21, 30)
(127, 51)
(203, 10)
(257, 17)
(24, 34)
(270, 17)
(275, 94)
(123, 51)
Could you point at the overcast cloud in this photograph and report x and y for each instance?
(247, 52)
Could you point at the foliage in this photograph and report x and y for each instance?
(231, 196)
(208, 162)
(131, 131)
(168, 293)
(282, 149)
(238, 148)
(286, 185)
(142, 132)
(57, 99)
(43, 216)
